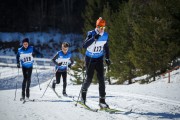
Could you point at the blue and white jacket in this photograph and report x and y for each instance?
(65, 60)
(96, 49)
(25, 56)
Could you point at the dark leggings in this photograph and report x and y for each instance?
(99, 67)
(58, 76)
(26, 81)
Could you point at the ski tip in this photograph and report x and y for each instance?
(95, 110)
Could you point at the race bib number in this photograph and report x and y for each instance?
(96, 47)
(63, 61)
(26, 57)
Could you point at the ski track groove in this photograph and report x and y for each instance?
(144, 97)
(94, 104)
(147, 101)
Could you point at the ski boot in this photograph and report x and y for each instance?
(54, 84)
(22, 96)
(27, 93)
(102, 103)
(83, 96)
(64, 93)
(27, 99)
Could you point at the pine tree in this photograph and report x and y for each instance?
(151, 50)
(78, 70)
(93, 11)
(121, 43)
(106, 15)
(174, 10)
(144, 35)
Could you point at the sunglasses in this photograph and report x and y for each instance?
(101, 27)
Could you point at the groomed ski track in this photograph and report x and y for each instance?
(147, 102)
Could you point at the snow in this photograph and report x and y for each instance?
(48, 43)
(157, 100)
(41, 37)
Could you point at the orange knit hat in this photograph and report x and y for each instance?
(100, 22)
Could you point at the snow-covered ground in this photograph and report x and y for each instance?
(48, 43)
(158, 100)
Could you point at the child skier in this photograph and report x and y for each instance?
(25, 57)
(62, 60)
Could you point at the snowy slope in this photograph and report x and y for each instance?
(48, 43)
(158, 100)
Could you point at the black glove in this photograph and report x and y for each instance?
(18, 65)
(97, 36)
(69, 65)
(59, 64)
(108, 62)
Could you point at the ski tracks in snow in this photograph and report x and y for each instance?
(143, 106)
(151, 101)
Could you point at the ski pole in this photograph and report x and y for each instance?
(49, 83)
(85, 77)
(108, 76)
(37, 77)
(69, 71)
(16, 86)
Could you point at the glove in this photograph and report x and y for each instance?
(59, 64)
(108, 62)
(18, 65)
(97, 36)
(69, 65)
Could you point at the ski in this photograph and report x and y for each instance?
(111, 110)
(56, 92)
(87, 107)
(27, 100)
(68, 96)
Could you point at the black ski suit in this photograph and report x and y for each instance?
(94, 62)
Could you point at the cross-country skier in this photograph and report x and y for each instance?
(25, 57)
(96, 45)
(62, 60)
